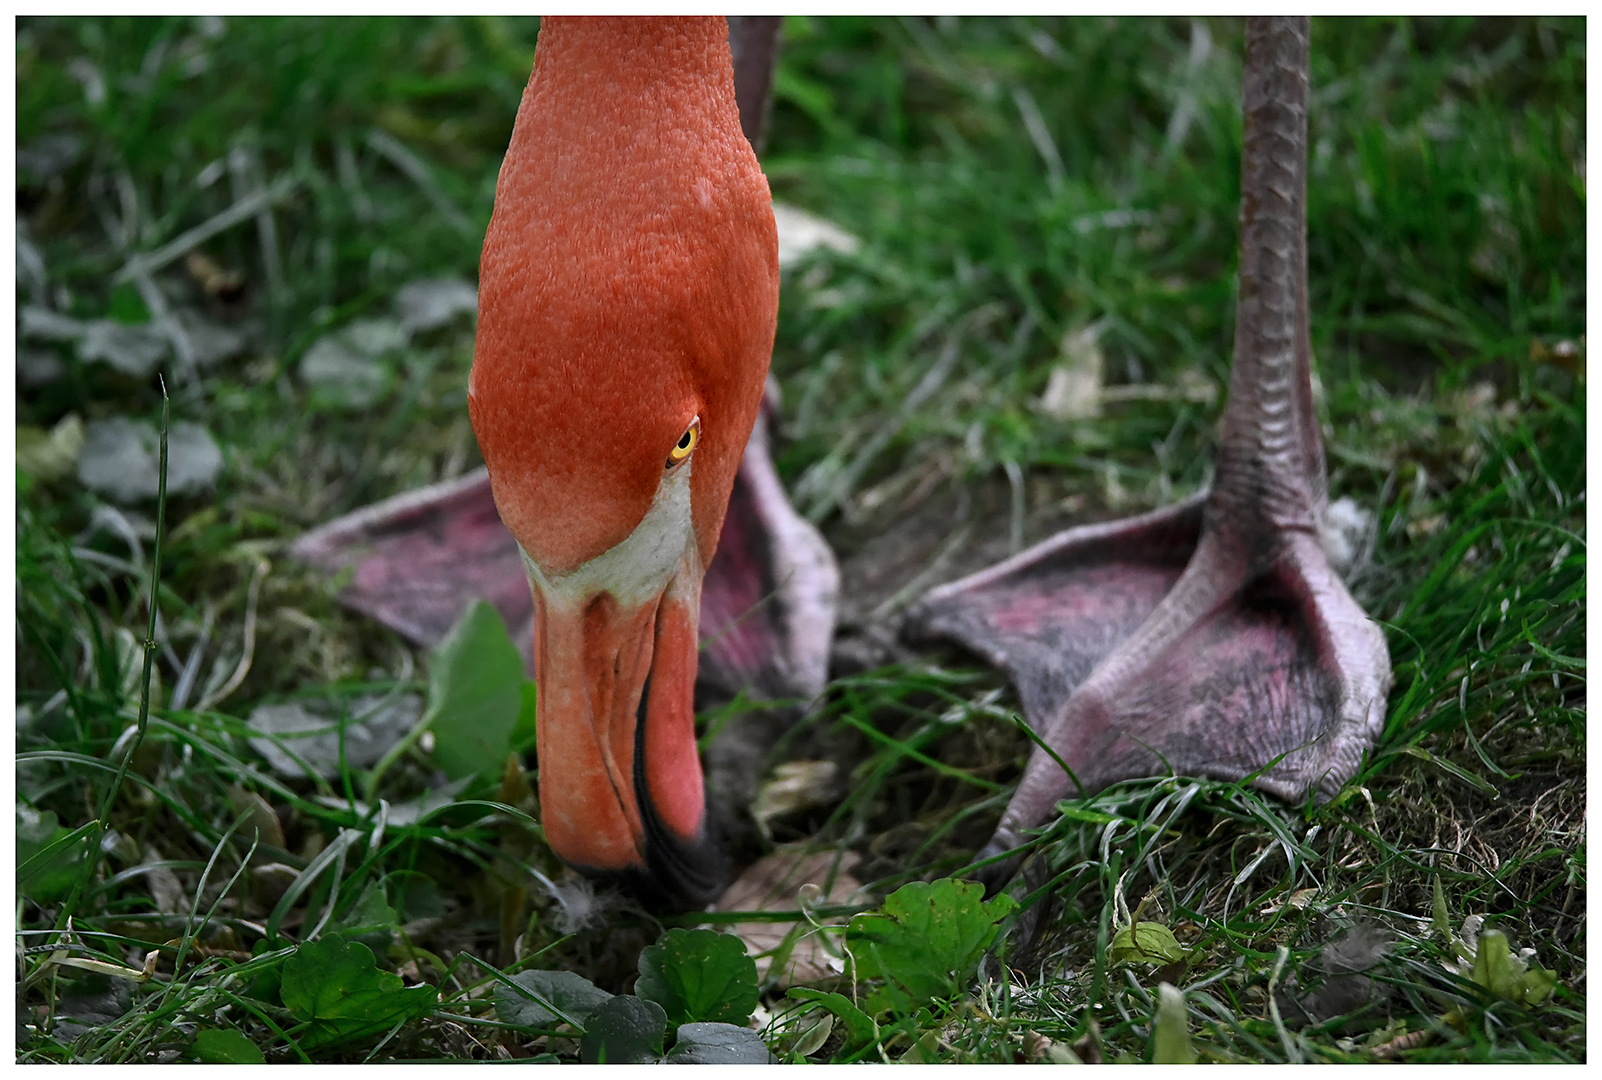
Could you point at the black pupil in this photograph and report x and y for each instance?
(684, 441)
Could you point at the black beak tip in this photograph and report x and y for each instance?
(679, 875)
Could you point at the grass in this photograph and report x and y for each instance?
(1014, 184)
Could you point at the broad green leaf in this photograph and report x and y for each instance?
(1144, 943)
(575, 996)
(337, 989)
(371, 920)
(48, 855)
(371, 912)
(218, 1046)
(860, 1027)
(624, 1031)
(699, 975)
(928, 937)
(1498, 970)
(475, 695)
(719, 1044)
(523, 730)
(1539, 982)
(1493, 965)
(1440, 917)
(1170, 1033)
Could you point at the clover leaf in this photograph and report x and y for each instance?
(718, 1044)
(928, 937)
(574, 996)
(699, 975)
(336, 988)
(624, 1031)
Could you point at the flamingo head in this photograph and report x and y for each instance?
(628, 294)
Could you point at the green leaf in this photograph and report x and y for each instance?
(860, 1027)
(218, 1046)
(1498, 970)
(624, 1031)
(1170, 1033)
(699, 975)
(419, 897)
(371, 912)
(337, 989)
(47, 855)
(573, 995)
(1440, 916)
(523, 730)
(475, 695)
(928, 937)
(268, 979)
(719, 1044)
(371, 920)
(1144, 943)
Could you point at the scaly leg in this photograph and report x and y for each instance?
(1256, 662)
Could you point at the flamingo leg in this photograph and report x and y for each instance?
(1211, 638)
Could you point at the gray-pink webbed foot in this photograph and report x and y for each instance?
(1211, 638)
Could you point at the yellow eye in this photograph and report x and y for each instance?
(686, 444)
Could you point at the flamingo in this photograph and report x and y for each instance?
(628, 295)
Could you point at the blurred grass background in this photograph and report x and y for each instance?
(1028, 195)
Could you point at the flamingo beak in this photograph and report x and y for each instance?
(621, 792)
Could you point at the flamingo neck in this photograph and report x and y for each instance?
(625, 79)
(628, 285)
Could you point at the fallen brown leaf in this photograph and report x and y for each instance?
(775, 883)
